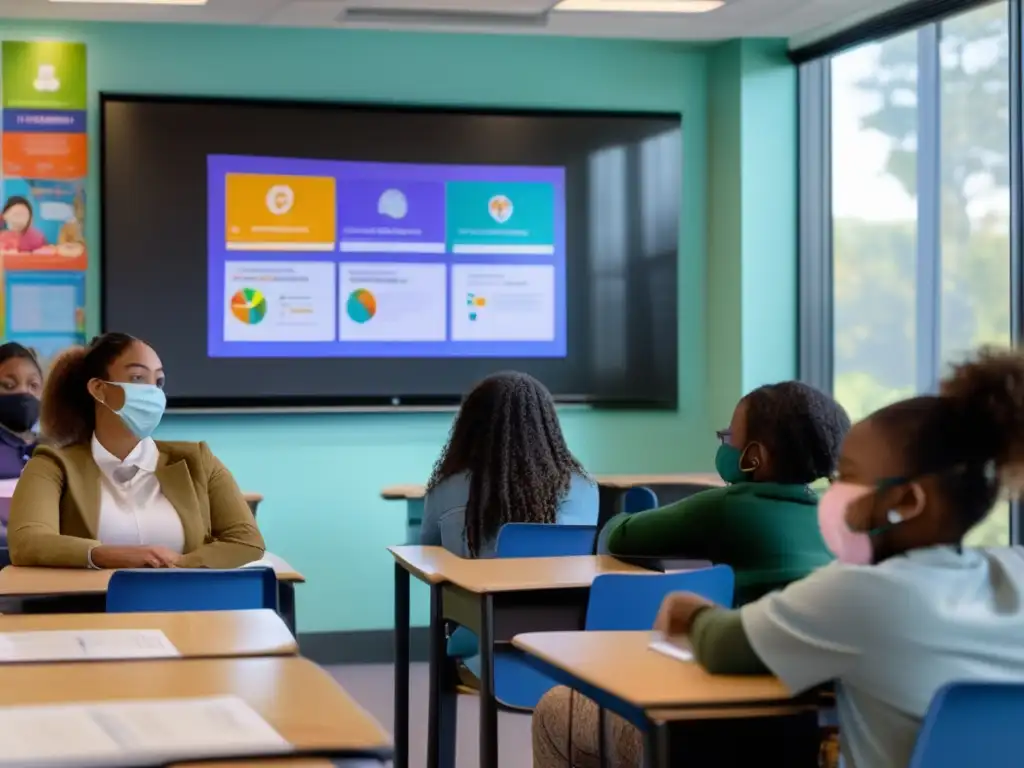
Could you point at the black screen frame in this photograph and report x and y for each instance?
(375, 403)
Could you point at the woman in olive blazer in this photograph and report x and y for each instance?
(104, 494)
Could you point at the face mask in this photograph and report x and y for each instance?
(144, 406)
(850, 547)
(19, 412)
(727, 463)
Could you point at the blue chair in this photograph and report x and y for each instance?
(618, 602)
(540, 540)
(200, 589)
(624, 602)
(639, 499)
(972, 724)
(517, 686)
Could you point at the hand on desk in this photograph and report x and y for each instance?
(110, 557)
(677, 613)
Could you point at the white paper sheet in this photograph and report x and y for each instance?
(270, 560)
(676, 647)
(92, 644)
(128, 732)
(7, 488)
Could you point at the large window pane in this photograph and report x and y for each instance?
(874, 205)
(975, 234)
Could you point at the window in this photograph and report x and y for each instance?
(974, 101)
(874, 223)
(915, 266)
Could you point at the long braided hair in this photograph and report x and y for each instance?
(508, 439)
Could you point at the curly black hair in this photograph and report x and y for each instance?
(508, 439)
(970, 436)
(802, 428)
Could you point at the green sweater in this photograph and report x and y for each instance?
(767, 532)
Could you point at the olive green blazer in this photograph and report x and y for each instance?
(56, 508)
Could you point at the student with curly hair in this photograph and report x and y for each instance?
(907, 608)
(104, 494)
(763, 523)
(506, 461)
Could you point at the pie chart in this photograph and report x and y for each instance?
(361, 306)
(249, 306)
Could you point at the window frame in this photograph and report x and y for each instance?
(815, 289)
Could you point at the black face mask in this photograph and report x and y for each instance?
(19, 412)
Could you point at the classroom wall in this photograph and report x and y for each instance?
(321, 475)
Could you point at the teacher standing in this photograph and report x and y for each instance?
(104, 494)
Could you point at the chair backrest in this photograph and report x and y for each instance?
(670, 493)
(133, 591)
(545, 540)
(639, 499)
(630, 602)
(972, 724)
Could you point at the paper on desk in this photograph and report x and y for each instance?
(676, 647)
(89, 644)
(7, 488)
(125, 733)
(269, 561)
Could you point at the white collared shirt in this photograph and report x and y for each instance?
(133, 509)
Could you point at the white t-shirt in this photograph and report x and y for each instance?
(891, 635)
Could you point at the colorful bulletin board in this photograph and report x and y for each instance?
(43, 167)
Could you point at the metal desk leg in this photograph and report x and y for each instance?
(656, 746)
(286, 604)
(488, 704)
(401, 667)
(443, 703)
(602, 739)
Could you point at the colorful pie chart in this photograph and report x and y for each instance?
(249, 306)
(361, 306)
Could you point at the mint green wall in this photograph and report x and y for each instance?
(752, 220)
(321, 475)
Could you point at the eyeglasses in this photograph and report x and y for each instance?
(724, 435)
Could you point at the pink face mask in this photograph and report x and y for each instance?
(850, 547)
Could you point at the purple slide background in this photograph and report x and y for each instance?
(419, 182)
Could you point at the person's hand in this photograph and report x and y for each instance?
(105, 556)
(677, 612)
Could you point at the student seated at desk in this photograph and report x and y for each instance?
(506, 462)
(907, 609)
(21, 384)
(105, 494)
(764, 524)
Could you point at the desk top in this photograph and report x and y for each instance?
(194, 634)
(298, 698)
(621, 664)
(435, 565)
(23, 581)
(411, 492)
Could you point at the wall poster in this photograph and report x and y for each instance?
(43, 168)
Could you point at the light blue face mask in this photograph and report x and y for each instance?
(144, 406)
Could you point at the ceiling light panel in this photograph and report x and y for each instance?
(639, 6)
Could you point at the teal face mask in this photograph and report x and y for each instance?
(727, 463)
(144, 406)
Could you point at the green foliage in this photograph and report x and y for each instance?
(875, 261)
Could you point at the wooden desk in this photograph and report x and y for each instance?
(298, 698)
(621, 664)
(204, 634)
(496, 598)
(657, 693)
(411, 491)
(22, 582)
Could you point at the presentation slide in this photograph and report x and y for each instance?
(320, 258)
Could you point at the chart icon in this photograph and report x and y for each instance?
(249, 306)
(361, 306)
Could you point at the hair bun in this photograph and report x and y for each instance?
(989, 394)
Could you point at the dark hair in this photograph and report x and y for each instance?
(68, 412)
(802, 428)
(970, 436)
(14, 200)
(507, 437)
(12, 350)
